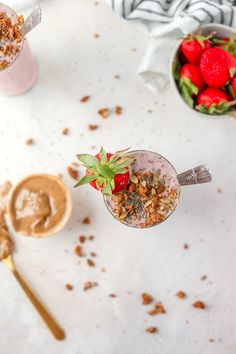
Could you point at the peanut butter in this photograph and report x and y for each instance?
(38, 204)
(6, 245)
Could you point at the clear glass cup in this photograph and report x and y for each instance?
(22, 72)
(145, 160)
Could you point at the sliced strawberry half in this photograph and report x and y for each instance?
(213, 101)
(106, 172)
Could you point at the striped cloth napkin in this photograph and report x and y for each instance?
(167, 20)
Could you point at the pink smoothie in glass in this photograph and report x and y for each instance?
(135, 209)
(21, 73)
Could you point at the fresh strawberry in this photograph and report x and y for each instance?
(193, 46)
(191, 82)
(226, 43)
(217, 67)
(106, 172)
(232, 87)
(213, 101)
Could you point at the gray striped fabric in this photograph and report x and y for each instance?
(165, 11)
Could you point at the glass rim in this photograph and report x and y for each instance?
(158, 223)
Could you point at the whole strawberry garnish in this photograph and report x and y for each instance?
(106, 172)
(217, 67)
(226, 43)
(191, 82)
(193, 46)
(213, 101)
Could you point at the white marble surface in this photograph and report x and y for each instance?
(72, 63)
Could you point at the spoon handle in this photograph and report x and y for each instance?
(200, 174)
(31, 21)
(55, 329)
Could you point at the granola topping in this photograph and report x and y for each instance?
(147, 200)
(10, 39)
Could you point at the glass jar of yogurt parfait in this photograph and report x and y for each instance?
(18, 67)
(154, 190)
(140, 188)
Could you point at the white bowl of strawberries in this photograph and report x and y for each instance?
(203, 70)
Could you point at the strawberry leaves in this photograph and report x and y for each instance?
(227, 44)
(103, 168)
(86, 179)
(88, 160)
(218, 109)
(188, 89)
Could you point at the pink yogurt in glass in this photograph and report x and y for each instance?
(149, 161)
(21, 73)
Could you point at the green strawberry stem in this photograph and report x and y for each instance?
(102, 170)
(217, 109)
(200, 38)
(229, 46)
(188, 90)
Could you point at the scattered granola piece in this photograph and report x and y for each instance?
(90, 263)
(93, 254)
(186, 246)
(158, 309)
(104, 112)
(82, 239)
(93, 127)
(199, 305)
(219, 190)
(85, 99)
(65, 131)
(103, 270)
(89, 285)
(91, 238)
(86, 221)
(204, 277)
(72, 172)
(69, 287)
(96, 35)
(153, 312)
(29, 141)
(112, 295)
(117, 76)
(151, 329)
(78, 251)
(211, 340)
(181, 294)
(118, 110)
(146, 299)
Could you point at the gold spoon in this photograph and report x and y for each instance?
(6, 248)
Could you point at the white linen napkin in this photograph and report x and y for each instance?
(165, 21)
